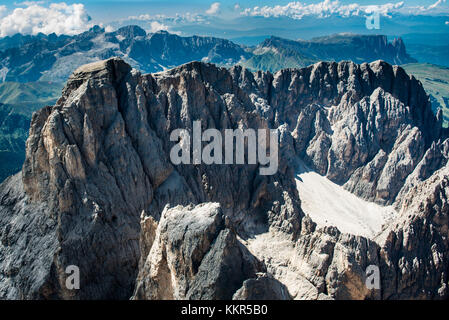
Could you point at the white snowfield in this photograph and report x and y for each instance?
(329, 204)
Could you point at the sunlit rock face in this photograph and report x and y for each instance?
(98, 189)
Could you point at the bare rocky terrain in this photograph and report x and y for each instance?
(97, 189)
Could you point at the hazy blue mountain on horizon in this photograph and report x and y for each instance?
(248, 29)
(18, 40)
(54, 59)
(277, 53)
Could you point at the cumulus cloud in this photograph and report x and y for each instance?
(156, 26)
(164, 19)
(142, 17)
(160, 22)
(214, 8)
(326, 8)
(109, 28)
(155, 22)
(34, 18)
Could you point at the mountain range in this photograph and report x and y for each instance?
(275, 53)
(34, 68)
(362, 183)
(224, 151)
(52, 58)
(249, 29)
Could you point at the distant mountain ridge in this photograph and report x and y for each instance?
(53, 58)
(18, 39)
(276, 53)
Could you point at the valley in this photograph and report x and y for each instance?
(18, 101)
(435, 80)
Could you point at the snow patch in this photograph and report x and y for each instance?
(120, 38)
(329, 204)
(263, 50)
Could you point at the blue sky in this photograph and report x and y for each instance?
(107, 10)
(71, 17)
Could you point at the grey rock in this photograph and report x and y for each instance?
(414, 253)
(98, 190)
(28, 242)
(194, 256)
(264, 287)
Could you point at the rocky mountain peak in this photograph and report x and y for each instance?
(131, 31)
(91, 33)
(98, 189)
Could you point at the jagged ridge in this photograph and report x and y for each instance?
(98, 160)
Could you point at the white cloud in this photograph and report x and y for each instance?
(109, 28)
(384, 9)
(164, 19)
(27, 3)
(156, 26)
(326, 8)
(447, 23)
(142, 17)
(59, 18)
(214, 8)
(436, 4)
(433, 8)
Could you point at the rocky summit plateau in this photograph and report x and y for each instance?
(363, 181)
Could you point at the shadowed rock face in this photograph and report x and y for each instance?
(98, 190)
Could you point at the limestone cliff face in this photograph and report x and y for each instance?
(98, 190)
